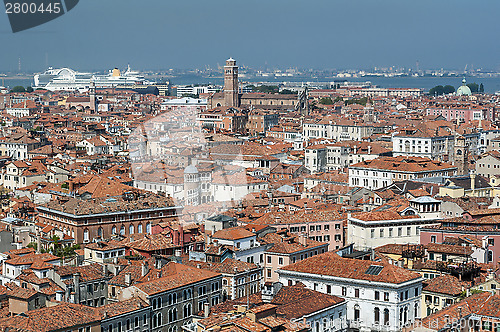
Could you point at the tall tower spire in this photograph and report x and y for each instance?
(231, 91)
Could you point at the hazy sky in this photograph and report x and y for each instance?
(162, 34)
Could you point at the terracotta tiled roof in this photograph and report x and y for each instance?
(234, 233)
(404, 164)
(228, 266)
(288, 244)
(449, 249)
(446, 284)
(87, 272)
(484, 304)
(59, 317)
(177, 275)
(122, 307)
(332, 264)
(298, 301)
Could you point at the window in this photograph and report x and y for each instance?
(433, 238)
(280, 260)
(269, 273)
(377, 295)
(377, 315)
(344, 291)
(329, 289)
(372, 233)
(386, 296)
(356, 292)
(386, 316)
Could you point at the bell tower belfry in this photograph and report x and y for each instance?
(461, 156)
(231, 90)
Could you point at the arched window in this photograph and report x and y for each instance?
(154, 322)
(113, 230)
(377, 315)
(386, 316)
(131, 229)
(139, 228)
(159, 302)
(172, 315)
(122, 230)
(86, 235)
(187, 310)
(159, 319)
(148, 228)
(154, 304)
(99, 232)
(415, 313)
(356, 312)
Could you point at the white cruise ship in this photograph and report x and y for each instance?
(70, 80)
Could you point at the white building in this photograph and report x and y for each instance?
(373, 229)
(245, 244)
(345, 130)
(383, 171)
(183, 90)
(184, 104)
(379, 296)
(420, 144)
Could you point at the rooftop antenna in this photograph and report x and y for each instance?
(19, 64)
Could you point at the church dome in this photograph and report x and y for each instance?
(464, 90)
(191, 169)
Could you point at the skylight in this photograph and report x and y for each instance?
(374, 270)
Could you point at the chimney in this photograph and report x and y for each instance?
(38, 242)
(369, 149)
(144, 269)
(472, 181)
(76, 280)
(128, 279)
(302, 240)
(206, 309)
(181, 235)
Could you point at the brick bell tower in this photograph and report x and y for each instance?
(231, 91)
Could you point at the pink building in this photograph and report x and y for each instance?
(322, 225)
(465, 114)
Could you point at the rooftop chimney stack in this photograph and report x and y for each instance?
(206, 309)
(128, 279)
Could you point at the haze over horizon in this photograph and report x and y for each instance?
(155, 34)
